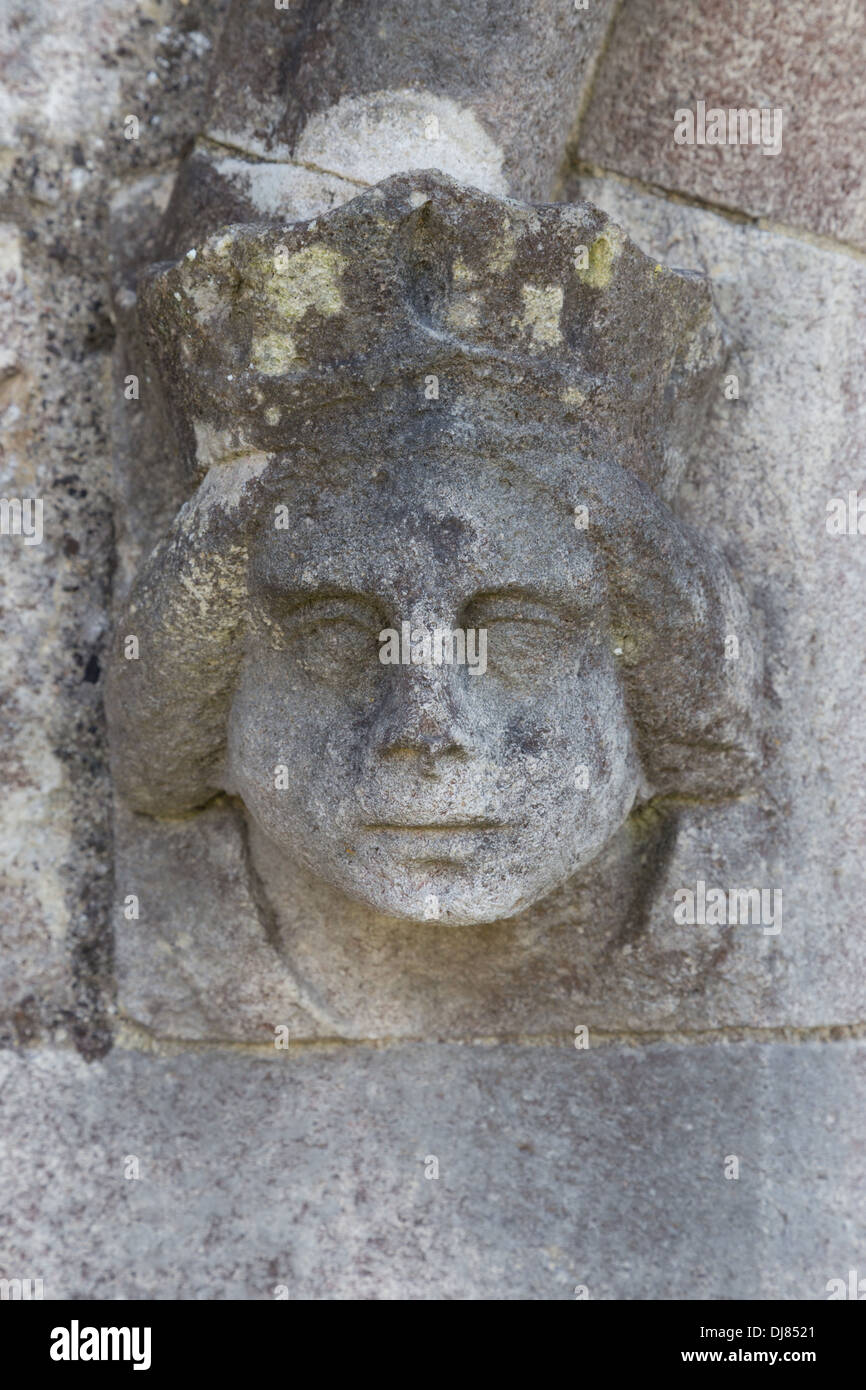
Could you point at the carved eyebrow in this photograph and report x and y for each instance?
(550, 605)
(294, 574)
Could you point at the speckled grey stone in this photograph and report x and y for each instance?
(559, 1171)
(790, 56)
(71, 76)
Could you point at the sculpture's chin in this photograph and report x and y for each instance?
(449, 909)
(447, 894)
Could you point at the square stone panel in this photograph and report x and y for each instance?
(201, 962)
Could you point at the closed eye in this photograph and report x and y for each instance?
(298, 613)
(486, 609)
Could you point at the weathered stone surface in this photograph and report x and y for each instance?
(368, 91)
(315, 101)
(71, 75)
(760, 486)
(198, 959)
(51, 716)
(217, 187)
(769, 465)
(796, 56)
(558, 1168)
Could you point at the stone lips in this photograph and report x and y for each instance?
(531, 316)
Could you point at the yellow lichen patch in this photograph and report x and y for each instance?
(572, 395)
(602, 255)
(542, 309)
(273, 353)
(500, 256)
(216, 585)
(207, 297)
(463, 312)
(461, 272)
(310, 279)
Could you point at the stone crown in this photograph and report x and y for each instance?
(549, 314)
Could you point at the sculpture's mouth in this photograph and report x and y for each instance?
(435, 846)
(428, 827)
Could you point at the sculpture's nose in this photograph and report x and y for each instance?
(422, 718)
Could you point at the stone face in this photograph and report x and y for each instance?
(613, 956)
(559, 1170)
(664, 56)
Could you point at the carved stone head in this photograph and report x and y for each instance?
(427, 611)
